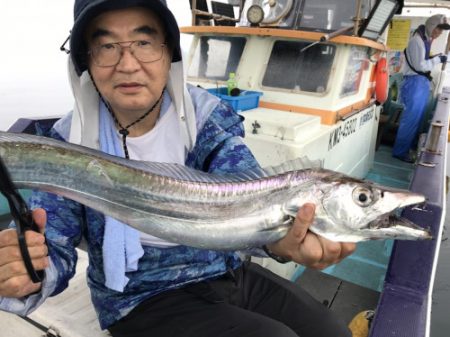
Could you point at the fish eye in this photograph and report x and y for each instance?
(362, 196)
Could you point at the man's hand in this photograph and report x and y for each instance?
(14, 279)
(308, 249)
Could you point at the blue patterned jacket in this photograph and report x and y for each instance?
(219, 149)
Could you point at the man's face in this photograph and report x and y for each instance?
(131, 87)
(436, 33)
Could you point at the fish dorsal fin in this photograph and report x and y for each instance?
(185, 173)
(297, 164)
(180, 172)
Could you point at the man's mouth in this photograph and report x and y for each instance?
(130, 85)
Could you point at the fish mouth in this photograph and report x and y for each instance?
(396, 226)
(400, 227)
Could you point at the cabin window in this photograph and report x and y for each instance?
(216, 57)
(290, 68)
(331, 14)
(356, 64)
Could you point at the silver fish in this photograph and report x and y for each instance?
(204, 210)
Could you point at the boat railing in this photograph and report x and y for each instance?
(405, 303)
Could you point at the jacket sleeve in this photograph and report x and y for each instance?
(416, 56)
(220, 147)
(63, 233)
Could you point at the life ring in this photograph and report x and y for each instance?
(381, 80)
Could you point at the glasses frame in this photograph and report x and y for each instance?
(131, 43)
(63, 46)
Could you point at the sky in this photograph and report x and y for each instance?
(33, 71)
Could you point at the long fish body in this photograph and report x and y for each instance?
(223, 212)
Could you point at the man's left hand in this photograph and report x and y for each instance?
(308, 249)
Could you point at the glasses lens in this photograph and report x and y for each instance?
(146, 52)
(107, 55)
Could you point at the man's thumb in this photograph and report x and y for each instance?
(304, 219)
(40, 219)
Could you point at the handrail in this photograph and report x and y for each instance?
(404, 308)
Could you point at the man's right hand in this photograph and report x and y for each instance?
(14, 279)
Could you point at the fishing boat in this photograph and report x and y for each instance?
(317, 79)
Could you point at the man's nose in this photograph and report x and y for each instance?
(128, 62)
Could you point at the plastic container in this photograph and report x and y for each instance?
(245, 101)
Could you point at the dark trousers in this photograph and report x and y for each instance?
(251, 301)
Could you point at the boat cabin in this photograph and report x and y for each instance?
(316, 93)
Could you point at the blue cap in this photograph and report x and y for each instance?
(86, 10)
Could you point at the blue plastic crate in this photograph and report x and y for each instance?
(245, 101)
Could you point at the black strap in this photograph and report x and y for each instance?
(22, 218)
(426, 74)
(279, 259)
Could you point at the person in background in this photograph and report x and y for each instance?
(131, 100)
(415, 88)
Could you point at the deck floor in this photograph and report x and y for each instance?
(389, 171)
(345, 298)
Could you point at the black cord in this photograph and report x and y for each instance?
(123, 130)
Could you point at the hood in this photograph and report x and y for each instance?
(85, 116)
(437, 20)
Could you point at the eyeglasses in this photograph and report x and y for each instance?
(109, 54)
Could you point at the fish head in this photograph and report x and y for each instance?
(357, 210)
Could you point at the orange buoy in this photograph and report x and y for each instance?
(381, 80)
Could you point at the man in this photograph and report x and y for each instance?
(415, 88)
(131, 100)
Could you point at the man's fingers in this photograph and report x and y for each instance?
(17, 268)
(14, 278)
(310, 251)
(347, 249)
(18, 286)
(8, 237)
(12, 253)
(331, 251)
(318, 253)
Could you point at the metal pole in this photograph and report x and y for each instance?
(447, 49)
(435, 134)
(357, 17)
(193, 11)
